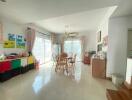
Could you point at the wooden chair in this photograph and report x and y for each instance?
(64, 55)
(71, 64)
(72, 61)
(61, 62)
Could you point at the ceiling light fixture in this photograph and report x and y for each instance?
(68, 32)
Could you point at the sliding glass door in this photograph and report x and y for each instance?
(73, 47)
(38, 49)
(42, 49)
(47, 50)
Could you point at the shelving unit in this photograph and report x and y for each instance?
(12, 67)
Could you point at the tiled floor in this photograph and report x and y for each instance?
(48, 85)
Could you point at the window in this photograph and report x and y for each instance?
(73, 47)
(42, 49)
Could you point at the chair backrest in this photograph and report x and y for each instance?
(63, 55)
(61, 59)
(74, 57)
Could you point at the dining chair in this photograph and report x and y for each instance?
(71, 64)
(61, 63)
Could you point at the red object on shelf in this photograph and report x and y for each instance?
(5, 66)
(86, 60)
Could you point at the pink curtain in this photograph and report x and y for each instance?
(83, 46)
(30, 36)
(1, 33)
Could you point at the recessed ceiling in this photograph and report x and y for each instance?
(32, 10)
(78, 22)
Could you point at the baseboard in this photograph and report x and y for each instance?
(109, 78)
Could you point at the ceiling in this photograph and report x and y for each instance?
(53, 15)
(78, 22)
(124, 8)
(33, 10)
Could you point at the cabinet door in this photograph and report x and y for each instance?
(24, 62)
(16, 63)
(99, 68)
(30, 60)
(1, 67)
(5, 66)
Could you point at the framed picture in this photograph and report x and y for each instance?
(11, 37)
(105, 41)
(20, 41)
(99, 36)
(1, 33)
(9, 44)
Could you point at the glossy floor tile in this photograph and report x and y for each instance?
(46, 84)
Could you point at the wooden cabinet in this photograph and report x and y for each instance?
(98, 68)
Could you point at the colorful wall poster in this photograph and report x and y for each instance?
(11, 37)
(20, 41)
(9, 44)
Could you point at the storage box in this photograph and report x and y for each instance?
(24, 62)
(5, 66)
(15, 63)
(30, 60)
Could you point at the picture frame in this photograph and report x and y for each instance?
(99, 36)
(105, 41)
(9, 44)
(20, 41)
(11, 37)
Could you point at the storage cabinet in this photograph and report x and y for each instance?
(98, 68)
(12, 67)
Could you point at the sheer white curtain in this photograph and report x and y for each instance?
(42, 48)
(73, 46)
(30, 37)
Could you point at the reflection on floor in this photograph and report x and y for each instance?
(45, 84)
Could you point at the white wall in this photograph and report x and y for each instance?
(103, 27)
(10, 26)
(117, 46)
(89, 41)
(129, 44)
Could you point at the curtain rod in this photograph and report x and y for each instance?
(39, 32)
(43, 33)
